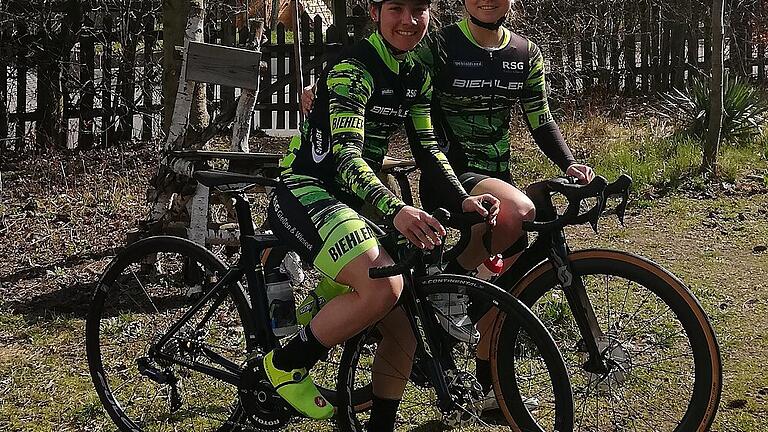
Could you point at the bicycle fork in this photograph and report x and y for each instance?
(581, 307)
(425, 344)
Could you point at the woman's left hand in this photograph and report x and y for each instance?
(475, 204)
(583, 173)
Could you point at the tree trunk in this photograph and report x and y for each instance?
(712, 145)
(175, 14)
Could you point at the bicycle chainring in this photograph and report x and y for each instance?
(264, 409)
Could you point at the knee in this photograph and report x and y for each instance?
(384, 293)
(514, 211)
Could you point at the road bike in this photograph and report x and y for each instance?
(161, 359)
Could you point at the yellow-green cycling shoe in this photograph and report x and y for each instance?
(297, 388)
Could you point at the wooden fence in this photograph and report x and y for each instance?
(111, 79)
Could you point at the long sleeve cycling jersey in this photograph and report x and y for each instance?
(476, 88)
(366, 95)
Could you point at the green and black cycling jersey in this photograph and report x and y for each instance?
(475, 90)
(367, 94)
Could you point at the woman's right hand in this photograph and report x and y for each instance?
(307, 97)
(419, 227)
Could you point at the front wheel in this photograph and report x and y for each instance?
(538, 362)
(658, 344)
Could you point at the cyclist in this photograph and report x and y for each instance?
(367, 93)
(481, 71)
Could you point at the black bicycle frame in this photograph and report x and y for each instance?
(427, 350)
(250, 266)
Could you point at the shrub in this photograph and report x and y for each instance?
(745, 109)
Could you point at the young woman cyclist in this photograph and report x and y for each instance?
(480, 72)
(329, 172)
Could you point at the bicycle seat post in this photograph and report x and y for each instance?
(249, 253)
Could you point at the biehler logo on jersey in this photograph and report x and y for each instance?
(467, 63)
(348, 242)
(479, 84)
(389, 111)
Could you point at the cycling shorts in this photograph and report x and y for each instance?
(430, 195)
(314, 223)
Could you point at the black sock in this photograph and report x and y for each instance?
(303, 351)
(383, 415)
(453, 267)
(483, 373)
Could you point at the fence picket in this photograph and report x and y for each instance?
(87, 66)
(150, 39)
(4, 143)
(281, 71)
(21, 86)
(630, 65)
(645, 49)
(265, 98)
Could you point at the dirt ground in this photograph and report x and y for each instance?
(63, 217)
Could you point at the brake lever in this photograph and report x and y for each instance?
(621, 188)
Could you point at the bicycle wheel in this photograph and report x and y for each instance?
(550, 387)
(665, 368)
(146, 289)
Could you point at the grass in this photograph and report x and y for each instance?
(81, 206)
(654, 156)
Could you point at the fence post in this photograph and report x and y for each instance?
(265, 113)
(150, 39)
(127, 78)
(21, 84)
(645, 48)
(630, 60)
(615, 53)
(281, 58)
(227, 94)
(87, 66)
(107, 114)
(4, 54)
(586, 59)
(571, 50)
(761, 61)
(692, 65)
(665, 58)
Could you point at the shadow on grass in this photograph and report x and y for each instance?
(71, 301)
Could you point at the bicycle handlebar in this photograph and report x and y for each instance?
(575, 193)
(461, 221)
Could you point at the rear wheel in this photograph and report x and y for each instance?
(146, 289)
(549, 387)
(665, 368)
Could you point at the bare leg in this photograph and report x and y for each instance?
(394, 356)
(370, 300)
(515, 208)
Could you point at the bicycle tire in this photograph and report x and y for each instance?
(354, 376)
(114, 322)
(628, 383)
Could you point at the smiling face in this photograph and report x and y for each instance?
(402, 23)
(488, 11)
